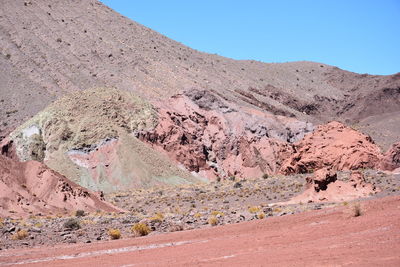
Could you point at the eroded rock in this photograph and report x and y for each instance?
(32, 188)
(334, 145)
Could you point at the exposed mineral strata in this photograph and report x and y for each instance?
(30, 188)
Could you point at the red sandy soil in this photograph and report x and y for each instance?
(328, 237)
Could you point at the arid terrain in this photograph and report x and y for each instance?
(328, 237)
(110, 130)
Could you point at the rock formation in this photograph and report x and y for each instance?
(391, 159)
(31, 188)
(324, 186)
(333, 145)
(218, 139)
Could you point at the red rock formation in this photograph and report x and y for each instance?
(32, 188)
(391, 159)
(333, 145)
(213, 139)
(324, 186)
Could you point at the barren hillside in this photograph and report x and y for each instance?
(50, 48)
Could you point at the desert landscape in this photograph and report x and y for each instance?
(118, 143)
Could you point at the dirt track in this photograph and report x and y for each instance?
(318, 238)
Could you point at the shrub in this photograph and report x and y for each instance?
(114, 233)
(254, 209)
(265, 176)
(79, 213)
(158, 217)
(72, 224)
(357, 210)
(21, 234)
(216, 213)
(197, 215)
(277, 210)
(213, 220)
(261, 215)
(38, 224)
(140, 229)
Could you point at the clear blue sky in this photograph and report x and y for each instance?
(356, 35)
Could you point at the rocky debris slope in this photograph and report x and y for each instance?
(333, 145)
(49, 48)
(324, 186)
(31, 188)
(88, 137)
(219, 140)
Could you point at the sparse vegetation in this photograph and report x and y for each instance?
(140, 229)
(217, 213)
(72, 224)
(21, 234)
(356, 210)
(114, 233)
(261, 215)
(158, 217)
(254, 209)
(213, 221)
(80, 213)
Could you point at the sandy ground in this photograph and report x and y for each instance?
(329, 237)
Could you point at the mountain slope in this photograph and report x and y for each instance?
(50, 48)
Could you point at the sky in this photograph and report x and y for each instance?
(355, 35)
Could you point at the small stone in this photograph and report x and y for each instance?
(237, 185)
(9, 230)
(35, 230)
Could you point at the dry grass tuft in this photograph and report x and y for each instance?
(216, 213)
(197, 215)
(254, 209)
(158, 217)
(140, 229)
(261, 215)
(213, 220)
(114, 233)
(21, 234)
(356, 210)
